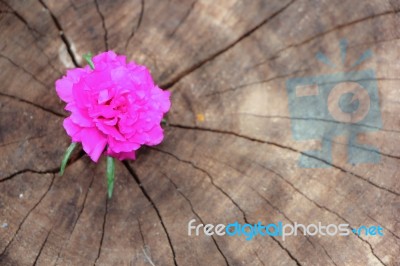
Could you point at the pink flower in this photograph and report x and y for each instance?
(115, 106)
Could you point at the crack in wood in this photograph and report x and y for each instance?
(281, 212)
(317, 119)
(226, 194)
(49, 171)
(102, 231)
(42, 247)
(287, 251)
(286, 148)
(284, 215)
(23, 140)
(64, 38)
(144, 192)
(31, 30)
(210, 177)
(216, 54)
(189, 11)
(20, 172)
(173, 81)
(318, 205)
(136, 28)
(371, 248)
(195, 213)
(103, 23)
(348, 144)
(25, 71)
(337, 27)
(258, 82)
(372, 218)
(76, 221)
(21, 18)
(144, 246)
(242, 86)
(274, 207)
(259, 259)
(26, 216)
(33, 104)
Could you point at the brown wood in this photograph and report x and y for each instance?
(228, 154)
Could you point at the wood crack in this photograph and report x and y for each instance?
(277, 209)
(338, 27)
(372, 218)
(144, 248)
(316, 119)
(41, 248)
(64, 38)
(290, 149)
(349, 144)
(138, 182)
(22, 140)
(21, 18)
(197, 215)
(26, 216)
(259, 259)
(77, 219)
(210, 177)
(242, 86)
(49, 171)
(25, 71)
(33, 104)
(371, 249)
(318, 205)
(103, 23)
(136, 28)
(227, 195)
(257, 82)
(183, 19)
(102, 231)
(186, 72)
(287, 251)
(31, 30)
(284, 215)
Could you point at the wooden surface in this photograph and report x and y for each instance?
(229, 153)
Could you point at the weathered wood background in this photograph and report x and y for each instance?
(228, 155)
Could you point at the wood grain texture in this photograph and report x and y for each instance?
(228, 154)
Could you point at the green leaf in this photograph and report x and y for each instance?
(164, 121)
(110, 175)
(67, 154)
(88, 58)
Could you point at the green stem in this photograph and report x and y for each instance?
(110, 175)
(67, 154)
(88, 58)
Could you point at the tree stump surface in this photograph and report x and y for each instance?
(229, 153)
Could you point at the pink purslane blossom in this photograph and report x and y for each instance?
(115, 108)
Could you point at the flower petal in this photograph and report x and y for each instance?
(64, 89)
(93, 142)
(73, 130)
(161, 97)
(116, 104)
(110, 131)
(122, 146)
(122, 155)
(155, 135)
